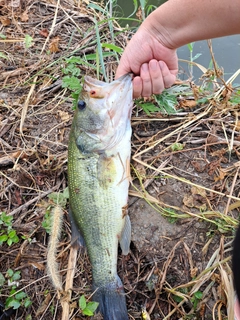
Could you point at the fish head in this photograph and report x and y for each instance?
(103, 115)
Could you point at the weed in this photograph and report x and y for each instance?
(16, 298)
(164, 102)
(7, 233)
(197, 297)
(87, 308)
(177, 146)
(47, 220)
(71, 81)
(28, 41)
(3, 56)
(235, 99)
(59, 198)
(56, 198)
(190, 48)
(147, 107)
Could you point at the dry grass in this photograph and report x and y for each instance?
(35, 117)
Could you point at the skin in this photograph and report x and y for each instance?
(151, 53)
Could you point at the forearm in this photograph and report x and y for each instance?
(178, 22)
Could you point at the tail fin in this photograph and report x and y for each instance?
(112, 301)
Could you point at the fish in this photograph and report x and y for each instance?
(99, 154)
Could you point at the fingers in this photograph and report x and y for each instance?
(154, 78)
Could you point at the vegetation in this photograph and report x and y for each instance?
(185, 165)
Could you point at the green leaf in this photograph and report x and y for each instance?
(28, 41)
(3, 56)
(87, 312)
(93, 56)
(71, 83)
(82, 302)
(190, 46)
(9, 242)
(10, 273)
(92, 305)
(59, 198)
(166, 102)
(196, 56)
(72, 69)
(74, 59)
(16, 276)
(15, 239)
(177, 146)
(47, 222)
(27, 303)
(20, 295)
(5, 219)
(66, 193)
(198, 295)
(112, 47)
(12, 233)
(177, 299)
(2, 279)
(3, 238)
(2, 36)
(148, 107)
(11, 302)
(96, 7)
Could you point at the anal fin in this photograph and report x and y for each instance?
(126, 236)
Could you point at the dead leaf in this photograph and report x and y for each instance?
(194, 272)
(188, 201)
(220, 176)
(15, 3)
(238, 125)
(5, 21)
(54, 45)
(24, 16)
(187, 103)
(44, 305)
(200, 191)
(37, 265)
(65, 116)
(213, 166)
(139, 13)
(44, 33)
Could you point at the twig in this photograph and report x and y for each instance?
(27, 204)
(69, 283)
(25, 107)
(231, 191)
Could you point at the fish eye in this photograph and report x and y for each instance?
(81, 105)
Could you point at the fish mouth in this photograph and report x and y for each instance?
(95, 82)
(93, 88)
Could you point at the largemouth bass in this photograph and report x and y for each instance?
(98, 178)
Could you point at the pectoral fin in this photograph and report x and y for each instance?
(126, 236)
(77, 239)
(106, 171)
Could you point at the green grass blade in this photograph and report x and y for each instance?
(99, 49)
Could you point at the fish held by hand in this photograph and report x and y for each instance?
(98, 178)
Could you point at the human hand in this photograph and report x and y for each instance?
(153, 64)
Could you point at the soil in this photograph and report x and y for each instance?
(185, 192)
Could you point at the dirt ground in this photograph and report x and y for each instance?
(184, 198)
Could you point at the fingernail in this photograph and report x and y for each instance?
(162, 64)
(154, 65)
(145, 67)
